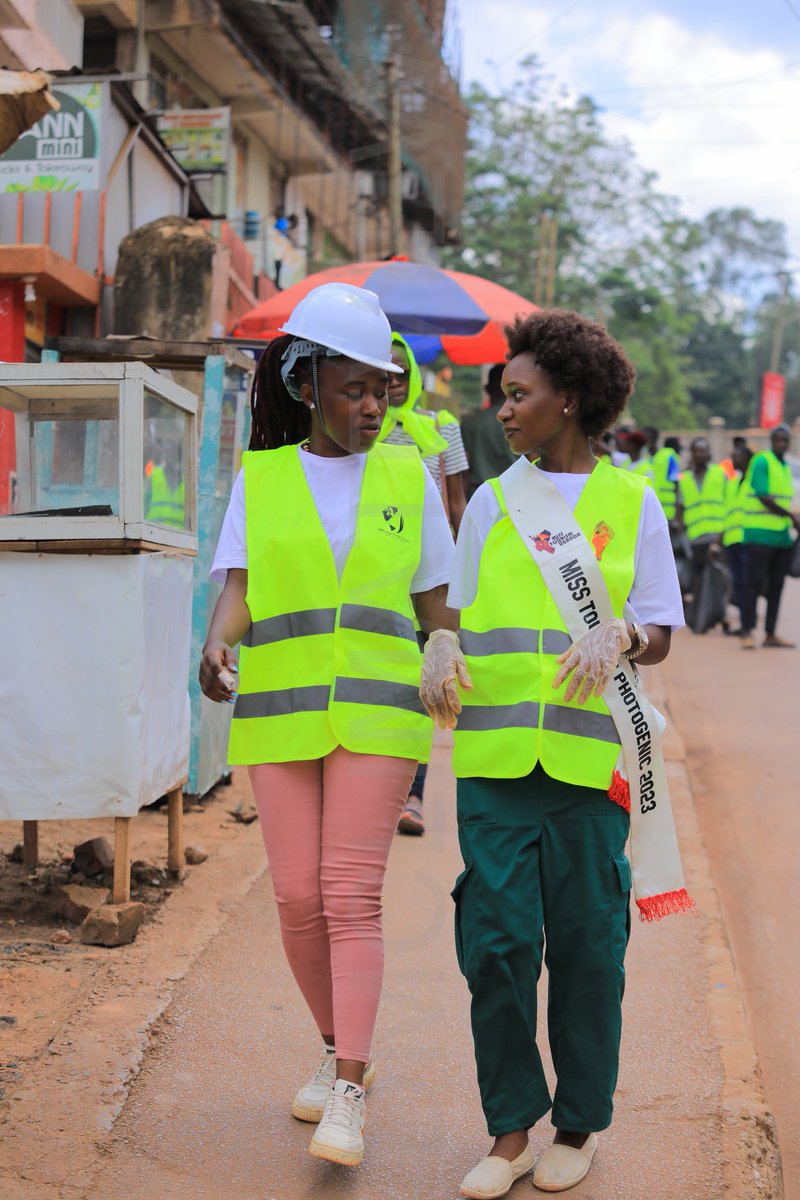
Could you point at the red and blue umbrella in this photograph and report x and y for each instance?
(438, 310)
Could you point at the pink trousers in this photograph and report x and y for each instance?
(328, 825)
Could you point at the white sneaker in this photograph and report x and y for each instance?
(309, 1102)
(339, 1134)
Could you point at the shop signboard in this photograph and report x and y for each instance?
(197, 138)
(61, 152)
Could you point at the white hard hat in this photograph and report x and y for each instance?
(346, 319)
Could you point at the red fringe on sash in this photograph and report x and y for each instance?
(620, 792)
(653, 908)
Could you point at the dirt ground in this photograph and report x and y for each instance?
(737, 711)
(164, 1067)
(43, 983)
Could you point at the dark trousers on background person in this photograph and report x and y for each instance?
(699, 561)
(766, 571)
(736, 558)
(543, 858)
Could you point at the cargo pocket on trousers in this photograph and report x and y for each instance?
(456, 895)
(620, 909)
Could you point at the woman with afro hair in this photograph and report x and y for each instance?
(537, 753)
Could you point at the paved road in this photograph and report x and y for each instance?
(208, 1117)
(738, 714)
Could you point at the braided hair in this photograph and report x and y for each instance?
(277, 418)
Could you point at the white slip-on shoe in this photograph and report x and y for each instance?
(494, 1176)
(339, 1135)
(561, 1167)
(310, 1099)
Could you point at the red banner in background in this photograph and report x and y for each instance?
(772, 389)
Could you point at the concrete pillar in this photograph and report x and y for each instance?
(718, 438)
(171, 281)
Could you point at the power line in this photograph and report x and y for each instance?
(792, 9)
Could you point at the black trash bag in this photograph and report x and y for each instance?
(794, 561)
(682, 551)
(711, 602)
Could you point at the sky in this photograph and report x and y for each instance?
(706, 91)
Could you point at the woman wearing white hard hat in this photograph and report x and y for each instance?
(331, 546)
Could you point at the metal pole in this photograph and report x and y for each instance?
(396, 239)
(551, 262)
(780, 322)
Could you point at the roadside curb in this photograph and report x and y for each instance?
(83, 1102)
(751, 1157)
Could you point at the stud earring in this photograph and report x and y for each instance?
(566, 410)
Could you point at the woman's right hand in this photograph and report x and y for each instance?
(218, 671)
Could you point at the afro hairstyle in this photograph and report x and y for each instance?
(581, 358)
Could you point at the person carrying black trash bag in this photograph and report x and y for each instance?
(564, 575)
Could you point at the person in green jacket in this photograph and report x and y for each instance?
(768, 524)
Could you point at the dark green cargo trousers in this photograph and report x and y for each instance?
(544, 861)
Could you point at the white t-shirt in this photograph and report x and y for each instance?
(335, 485)
(655, 597)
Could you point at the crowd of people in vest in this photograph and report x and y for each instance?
(352, 621)
(731, 523)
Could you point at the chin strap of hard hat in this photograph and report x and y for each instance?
(302, 348)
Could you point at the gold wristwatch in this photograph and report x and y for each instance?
(639, 642)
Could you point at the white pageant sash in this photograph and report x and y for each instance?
(575, 581)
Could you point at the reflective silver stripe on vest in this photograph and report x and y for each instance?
(480, 718)
(380, 692)
(555, 641)
(499, 641)
(513, 641)
(580, 723)
(483, 718)
(283, 703)
(304, 623)
(377, 620)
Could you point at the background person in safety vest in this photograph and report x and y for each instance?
(165, 490)
(701, 513)
(437, 435)
(541, 810)
(736, 491)
(768, 523)
(331, 546)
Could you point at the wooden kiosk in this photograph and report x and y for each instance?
(97, 539)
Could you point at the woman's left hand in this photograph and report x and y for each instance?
(592, 659)
(443, 668)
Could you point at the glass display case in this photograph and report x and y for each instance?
(96, 452)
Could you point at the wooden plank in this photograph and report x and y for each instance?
(121, 893)
(175, 830)
(164, 355)
(92, 546)
(30, 841)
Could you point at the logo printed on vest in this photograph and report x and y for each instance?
(395, 522)
(393, 518)
(602, 534)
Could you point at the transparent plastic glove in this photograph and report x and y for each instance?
(443, 668)
(591, 660)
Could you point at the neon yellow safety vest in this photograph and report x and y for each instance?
(735, 494)
(704, 506)
(781, 490)
(642, 466)
(167, 505)
(666, 491)
(329, 662)
(512, 635)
